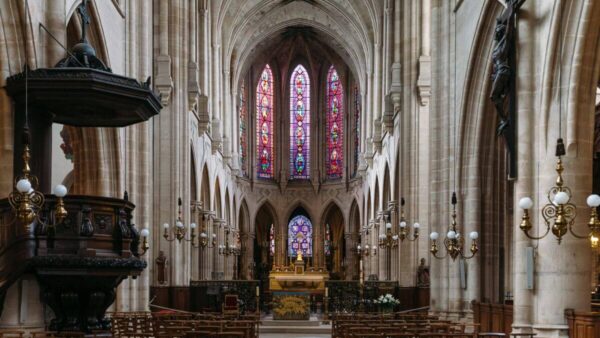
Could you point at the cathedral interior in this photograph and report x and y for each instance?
(299, 168)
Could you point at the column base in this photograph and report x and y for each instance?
(554, 331)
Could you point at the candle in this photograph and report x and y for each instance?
(257, 291)
(326, 291)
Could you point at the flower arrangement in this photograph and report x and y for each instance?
(386, 302)
(386, 299)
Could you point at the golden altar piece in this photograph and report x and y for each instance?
(296, 278)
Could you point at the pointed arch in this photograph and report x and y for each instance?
(334, 125)
(299, 123)
(265, 133)
(205, 188)
(368, 206)
(265, 228)
(376, 205)
(386, 187)
(333, 223)
(227, 212)
(246, 245)
(193, 179)
(217, 200)
(300, 232)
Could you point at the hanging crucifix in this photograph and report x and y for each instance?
(503, 93)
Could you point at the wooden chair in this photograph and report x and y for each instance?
(43, 334)
(201, 334)
(230, 305)
(231, 334)
(70, 334)
(12, 334)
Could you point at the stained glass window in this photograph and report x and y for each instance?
(264, 124)
(327, 240)
(243, 112)
(334, 125)
(272, 240)
(299, 124)
(300, 236)
(357, 126)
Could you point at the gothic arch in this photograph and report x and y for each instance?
(266, 213)
(247, 238)
(217, 202)
(376, 199)
(386, 187)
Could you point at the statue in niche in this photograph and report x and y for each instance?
(503, 76)
(161, 264)
(423, 274)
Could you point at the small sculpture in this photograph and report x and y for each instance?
(423, 274)
(161, 263)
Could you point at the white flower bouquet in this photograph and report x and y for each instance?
(386, 302)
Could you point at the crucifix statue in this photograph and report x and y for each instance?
(85, 19)
(503, 77)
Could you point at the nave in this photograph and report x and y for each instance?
(295, 168)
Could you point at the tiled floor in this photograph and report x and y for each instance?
(292, 335)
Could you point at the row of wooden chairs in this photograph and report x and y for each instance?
(398, 325)
(41, 334)
(173, 325)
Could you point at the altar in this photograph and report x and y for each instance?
(293, 287)
(298, 278)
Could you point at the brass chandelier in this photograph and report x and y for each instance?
(179, 230)
(559, 213)
(454, 242)
(26, 200)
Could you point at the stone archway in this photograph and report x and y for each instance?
(336, 260)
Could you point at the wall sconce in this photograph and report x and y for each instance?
(360, 251)
(145, 233)
(454, 242)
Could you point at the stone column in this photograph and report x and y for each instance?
(524, 185)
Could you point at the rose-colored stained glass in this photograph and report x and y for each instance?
(243, 115)
(300, 236)
(264, 124)
(334, 125)
(357, 102)
(299, 124)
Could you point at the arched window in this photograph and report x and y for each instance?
(243, 112)
(299, 124)
(300, 236)
(356, 127)
(335, 125)
(264, 124)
